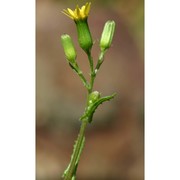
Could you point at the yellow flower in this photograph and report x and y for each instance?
(79, 13)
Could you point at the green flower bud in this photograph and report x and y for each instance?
(107, 35)
(69, 49)
(93, 97)
(84, 35)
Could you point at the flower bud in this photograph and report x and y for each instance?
(107, 35)
(94, 96)
(84, 35)
(68, 47)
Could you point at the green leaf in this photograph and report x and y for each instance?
(89, 112)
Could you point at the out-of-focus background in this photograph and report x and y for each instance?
(114, 148)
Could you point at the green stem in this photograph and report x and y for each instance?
(100, 61)
(93, 75)
(71, 171)
(78, 148)
(79, 144)
(83, 79)
(76, 68)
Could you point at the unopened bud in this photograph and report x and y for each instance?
(107, 35)
(94, 96)
(68, 47)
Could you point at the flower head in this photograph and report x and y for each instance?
(69, 49)
(107, 35)
(79, 13)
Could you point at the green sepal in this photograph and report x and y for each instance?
(84, 35)
(89, 112)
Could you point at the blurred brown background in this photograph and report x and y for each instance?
(114, 147)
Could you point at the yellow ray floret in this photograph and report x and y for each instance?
(78, 13)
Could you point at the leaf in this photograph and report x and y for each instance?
(89, 112)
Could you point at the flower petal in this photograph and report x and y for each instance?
(70, 12)
(78, 13)
(87, 8)
(67, 13)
